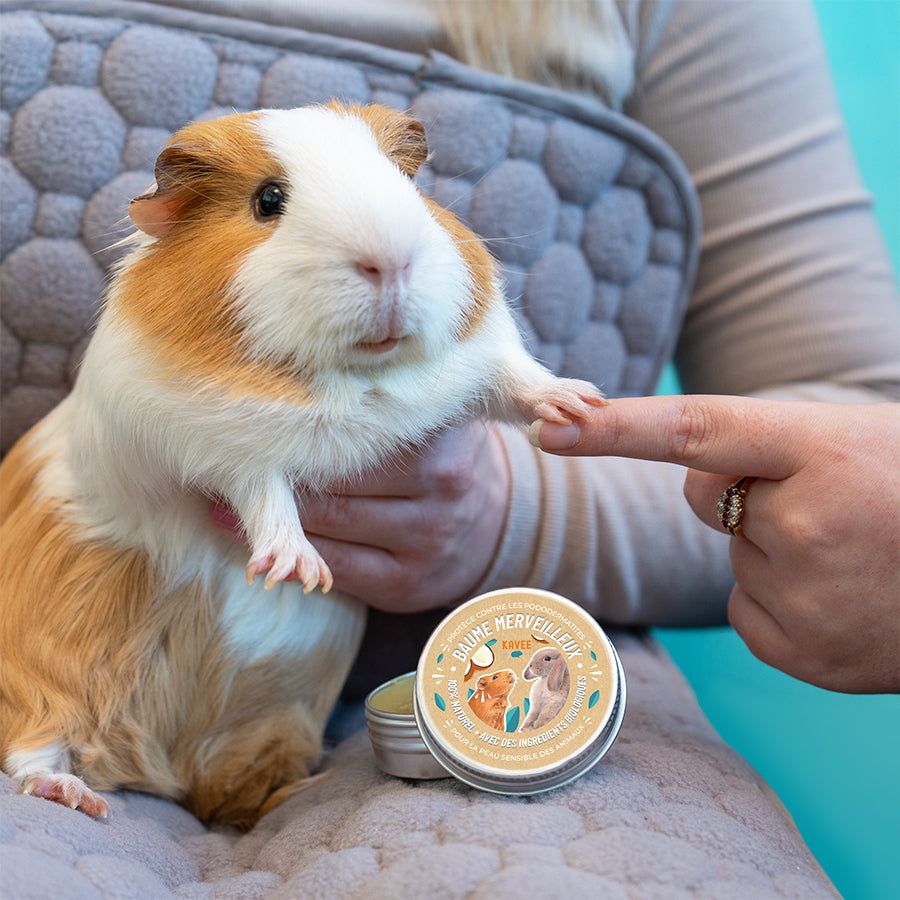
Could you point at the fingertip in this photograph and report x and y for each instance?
(552, 437)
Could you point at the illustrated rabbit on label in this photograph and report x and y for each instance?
(550, 674)
(293, 311)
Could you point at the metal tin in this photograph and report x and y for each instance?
(470, 698)
(396, 741)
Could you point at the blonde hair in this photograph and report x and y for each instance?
(571, 44)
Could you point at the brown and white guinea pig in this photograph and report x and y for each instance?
(491, 698)
(294, 310)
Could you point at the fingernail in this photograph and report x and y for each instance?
(550, 436)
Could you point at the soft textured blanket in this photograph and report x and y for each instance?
(670, 812)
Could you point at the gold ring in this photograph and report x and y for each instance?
(730, 506)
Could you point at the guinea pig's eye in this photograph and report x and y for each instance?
(269, 201)
(546, 659)
(494, 678)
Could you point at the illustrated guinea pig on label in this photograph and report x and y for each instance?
(293, 310)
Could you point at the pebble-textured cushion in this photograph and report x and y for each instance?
(592, 218)
(670, 812)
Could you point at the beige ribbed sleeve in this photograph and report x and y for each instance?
(794, 299)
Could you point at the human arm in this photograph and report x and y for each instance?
(794, 299)
(817, 559)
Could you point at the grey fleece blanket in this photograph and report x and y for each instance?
(670, 812)
(595, 224)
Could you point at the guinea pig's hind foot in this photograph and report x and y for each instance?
(302, 563)
(69, 790)
(561, 401)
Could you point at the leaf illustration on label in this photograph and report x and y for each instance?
(440, 658)
(491, 642)
(471, 691)
(516, 653)
(594, 698)
(538, 640)
(440, 703)
(512, 719)
(593, 656)
(526, 705)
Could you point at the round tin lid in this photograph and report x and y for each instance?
(518, 691)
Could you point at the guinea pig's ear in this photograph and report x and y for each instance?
(154, 212)
(409, 148)
(557, 675)
(179, 172)
(401, 137)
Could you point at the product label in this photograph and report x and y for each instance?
(517, 681)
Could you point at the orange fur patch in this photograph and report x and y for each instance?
(479, 262)
(177, 294)
(140, 685)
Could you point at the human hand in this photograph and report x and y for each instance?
(421, 532)
(818, 567)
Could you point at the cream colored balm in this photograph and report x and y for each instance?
(396, 696)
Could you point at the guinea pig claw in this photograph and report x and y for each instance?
(67, 790)
(563, 400)
(550, 413)
(314, 573)
(325, 577)
(309, 578)
(300, 561)
(255, 566)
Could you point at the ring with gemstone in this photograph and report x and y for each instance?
(730, 506)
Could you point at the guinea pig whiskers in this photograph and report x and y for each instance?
(501, 240)
(469, 189)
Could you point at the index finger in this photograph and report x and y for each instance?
(725, 435)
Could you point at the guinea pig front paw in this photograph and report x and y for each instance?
(301, 561)
(561, 401)
(69, 790)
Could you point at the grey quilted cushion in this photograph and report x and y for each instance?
(670, 813)
(592, 218)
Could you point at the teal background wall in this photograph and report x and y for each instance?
(834, 760)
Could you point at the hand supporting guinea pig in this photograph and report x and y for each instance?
(419, 534)
(818, 590)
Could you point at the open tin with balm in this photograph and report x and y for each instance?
(517, 691)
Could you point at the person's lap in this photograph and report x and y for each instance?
(670, 810)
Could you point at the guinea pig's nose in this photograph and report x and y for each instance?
(380, 273)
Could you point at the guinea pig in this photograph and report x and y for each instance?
(550, 690)
(293, 311)
(491, 697)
